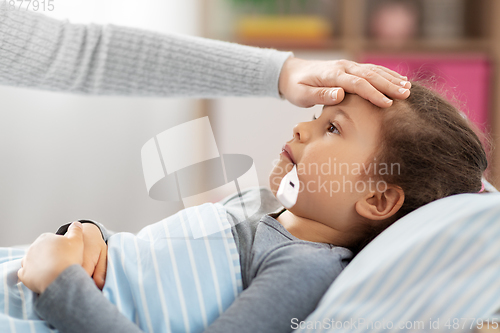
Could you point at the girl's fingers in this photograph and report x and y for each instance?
(88, 266)
(100, 270)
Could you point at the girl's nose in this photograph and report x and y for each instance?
(301, 132)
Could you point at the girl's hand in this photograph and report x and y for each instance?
(95, 252)
(49, 256)
(306, 83)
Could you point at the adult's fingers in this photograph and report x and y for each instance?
(356, 85)
(326, 96)
(384, 72)
(389, 71)
(387, 84)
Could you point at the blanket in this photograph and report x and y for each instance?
(177, 275)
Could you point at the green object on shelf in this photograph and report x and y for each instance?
(275, 6)
(255, 2)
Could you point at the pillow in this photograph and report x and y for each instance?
(436, 269)
(489, 187)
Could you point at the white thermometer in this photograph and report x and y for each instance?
(289, 189)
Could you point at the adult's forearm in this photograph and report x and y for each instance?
(41, 52)
(73, 304)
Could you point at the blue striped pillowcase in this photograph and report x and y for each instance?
(436, 269)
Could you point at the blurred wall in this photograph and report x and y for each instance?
(67, 157)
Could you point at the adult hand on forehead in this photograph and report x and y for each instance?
(306, 83)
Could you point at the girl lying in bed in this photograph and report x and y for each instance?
(360, 167)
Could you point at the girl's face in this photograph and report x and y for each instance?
(333, 155)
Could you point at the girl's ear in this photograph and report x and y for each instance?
(381, 205)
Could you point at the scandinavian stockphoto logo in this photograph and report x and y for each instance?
(183, 163)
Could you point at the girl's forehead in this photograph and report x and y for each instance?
(353, 105)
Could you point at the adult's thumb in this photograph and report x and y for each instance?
(75, 230)
(328, 96)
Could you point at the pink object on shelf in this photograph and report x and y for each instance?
(395, 22)
(464, 77)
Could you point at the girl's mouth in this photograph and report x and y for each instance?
(285, 151)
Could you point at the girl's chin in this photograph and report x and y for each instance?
(274, 182)
(273, 188)
(279, 171)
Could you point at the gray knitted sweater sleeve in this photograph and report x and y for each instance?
(41, 52)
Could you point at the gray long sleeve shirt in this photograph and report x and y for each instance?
(283, 279)
(40, 52)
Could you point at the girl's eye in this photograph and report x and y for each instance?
(333, 129)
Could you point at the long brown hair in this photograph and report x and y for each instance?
(436, 149)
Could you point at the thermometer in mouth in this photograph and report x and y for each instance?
(289, 189)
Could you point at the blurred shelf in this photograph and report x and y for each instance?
(367, 45)
(292, 44)
(427, 45)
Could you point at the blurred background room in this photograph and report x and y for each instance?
(68, 157)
